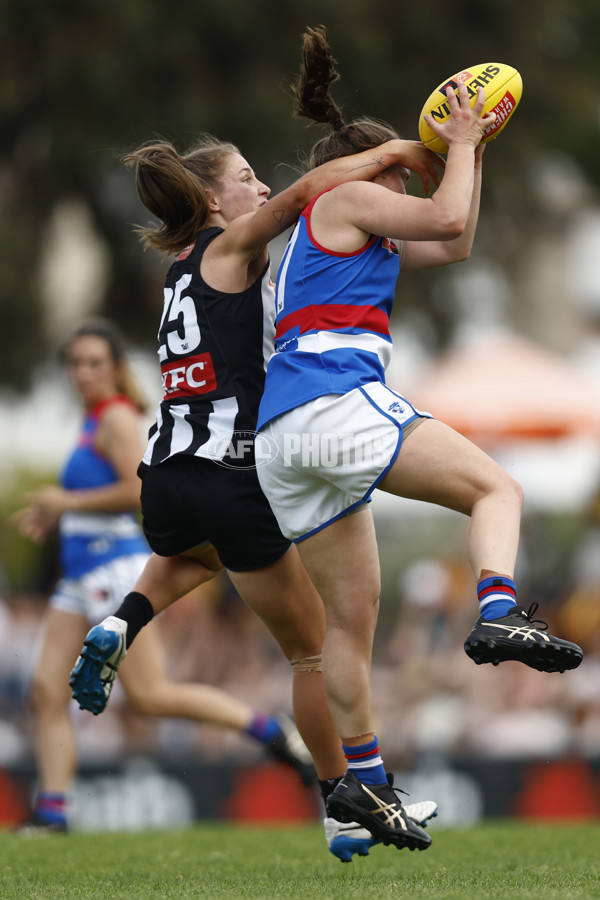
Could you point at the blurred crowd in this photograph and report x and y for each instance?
(429, 697)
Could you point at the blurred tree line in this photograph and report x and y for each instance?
(82, 83)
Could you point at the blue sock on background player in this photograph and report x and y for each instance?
(51, 808)
(264, 728)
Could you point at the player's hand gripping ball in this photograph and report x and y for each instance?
(503, 89)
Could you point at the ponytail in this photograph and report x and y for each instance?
(313, 101)
(317, 74)
(174, 189)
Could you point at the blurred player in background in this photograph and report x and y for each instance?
(102, 553)
(335, 293)
(201, 501)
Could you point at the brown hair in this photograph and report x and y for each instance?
(108, 331)
(173, 188)
(313, 101)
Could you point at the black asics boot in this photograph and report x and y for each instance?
(520, 637)
(377, 808)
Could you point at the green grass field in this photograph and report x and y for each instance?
(495, 860)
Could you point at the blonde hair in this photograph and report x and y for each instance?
(173, 188)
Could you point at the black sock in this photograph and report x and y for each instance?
(137, 611)
(328, 786)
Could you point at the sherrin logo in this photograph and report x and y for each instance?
(503, 89)
(453, 83)
(473, 84)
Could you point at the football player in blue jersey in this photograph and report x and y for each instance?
(342, 431)
(102, 553)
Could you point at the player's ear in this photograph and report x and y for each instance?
(213, 203)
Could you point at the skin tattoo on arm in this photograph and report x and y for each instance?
(377, 161)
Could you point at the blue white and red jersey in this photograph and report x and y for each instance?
(88, 540)
(332, 320)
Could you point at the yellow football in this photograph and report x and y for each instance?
(503, 89)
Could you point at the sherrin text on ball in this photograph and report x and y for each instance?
(503, 88)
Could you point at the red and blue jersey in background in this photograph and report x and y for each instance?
(90, 539)
(332, 320)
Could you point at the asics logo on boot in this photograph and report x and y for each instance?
(391, 813)
(517, 631)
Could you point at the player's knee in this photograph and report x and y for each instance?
(358, 617)
(146, 704)
(518, 491)
(513, 491)
(46, 697)
(502, 488)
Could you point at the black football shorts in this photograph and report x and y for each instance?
(187, 500)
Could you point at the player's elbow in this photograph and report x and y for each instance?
(304, 191)
(462, 255)
(455, 251)
(452, 227)
(460, 250)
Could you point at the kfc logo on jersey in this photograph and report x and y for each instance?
(194, 375)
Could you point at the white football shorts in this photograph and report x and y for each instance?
(327, 456)
(101, 591)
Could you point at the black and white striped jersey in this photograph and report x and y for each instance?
(213, 352)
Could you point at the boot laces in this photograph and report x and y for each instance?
(529, 614)
(397, 790)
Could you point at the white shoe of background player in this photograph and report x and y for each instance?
(94, 672)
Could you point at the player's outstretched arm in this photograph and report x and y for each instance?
(428, 254)
(252, 232)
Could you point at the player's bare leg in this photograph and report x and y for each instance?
(343, 563)
(440, 466)
(55, 739)
(163, 581)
